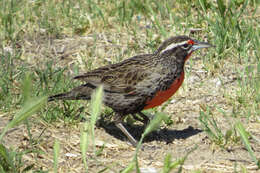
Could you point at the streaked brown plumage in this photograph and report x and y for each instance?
(140, 82)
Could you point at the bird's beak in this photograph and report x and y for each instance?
(199, 45)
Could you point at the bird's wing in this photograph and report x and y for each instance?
(159, 80)
(122, 77)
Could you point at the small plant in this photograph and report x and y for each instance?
(214, 132)
(169, 165)
(88, 133)
(245, 138)
(11, 160)
(56, 150)
(218, 137)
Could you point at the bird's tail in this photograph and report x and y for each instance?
(62, 96)
(79, 93)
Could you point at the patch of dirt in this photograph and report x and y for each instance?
(176, 140)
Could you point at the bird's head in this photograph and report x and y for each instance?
(182, 46)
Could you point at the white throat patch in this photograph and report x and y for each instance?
(173, 45)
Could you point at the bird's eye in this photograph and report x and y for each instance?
(185, 46)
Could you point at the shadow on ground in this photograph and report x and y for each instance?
(167, 135)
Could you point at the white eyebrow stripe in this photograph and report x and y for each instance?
(171, 46)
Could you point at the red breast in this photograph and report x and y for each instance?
(163, 96)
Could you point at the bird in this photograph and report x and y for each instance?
(138, 83)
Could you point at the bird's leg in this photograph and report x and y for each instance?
(129, 136)
(123, 129)
(146, 119)
(137, 118)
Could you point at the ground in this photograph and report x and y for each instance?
(178, 139)
(53, 41)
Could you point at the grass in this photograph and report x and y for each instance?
(88, 132)
(11, 159)
(51, 41)
(56, 150)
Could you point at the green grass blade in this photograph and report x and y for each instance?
(56, 150)
(28, 109)
(153, 125)
(244, 136)
(89, 127)
(242, 9)
(169, 166)
(96, 102)
(26, 88)
(129, 168)
(221, 7)
(202, 4)
(84, 144)
(167, 162)
(5, 160)
(204, 121)
(175, 164)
